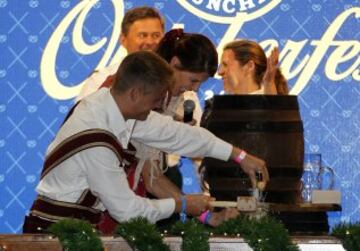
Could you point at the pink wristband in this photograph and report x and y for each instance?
(240, 157)
(202, 217)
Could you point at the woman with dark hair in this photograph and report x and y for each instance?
(246, 70)
(194, 59)
(192, 56)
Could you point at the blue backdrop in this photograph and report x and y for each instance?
(48, 47)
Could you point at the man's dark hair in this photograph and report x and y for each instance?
(139, 13)
(145, 69)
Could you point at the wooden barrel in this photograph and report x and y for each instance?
(269, 127)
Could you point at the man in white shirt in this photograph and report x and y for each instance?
(141, 29)
(118, 115)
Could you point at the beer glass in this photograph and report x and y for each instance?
(315, 176)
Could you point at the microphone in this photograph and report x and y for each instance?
(189, 107)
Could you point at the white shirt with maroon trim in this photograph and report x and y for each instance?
(98, 168)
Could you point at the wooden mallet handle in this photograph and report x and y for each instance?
(243, 203)
(223, 203)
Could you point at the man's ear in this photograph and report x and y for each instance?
(122, 40)
(175, 61)
(135, 94)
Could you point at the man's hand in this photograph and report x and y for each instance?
(218, 218)
(162, 187)
(250, 165)
(195, 204)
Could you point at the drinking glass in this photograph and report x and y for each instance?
(315, 176)
(310, 179)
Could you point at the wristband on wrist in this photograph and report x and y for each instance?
(240, 157)
(205, 217)
(183, 210)
(208, 217)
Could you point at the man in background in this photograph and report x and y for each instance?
(141, 29)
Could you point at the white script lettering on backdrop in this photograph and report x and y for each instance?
(238, 13)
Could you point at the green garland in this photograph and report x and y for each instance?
(194, 234)
(76, 235)
(349, 234)
(141, 235)
(264, 234)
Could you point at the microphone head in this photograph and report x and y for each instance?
(189, 105)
